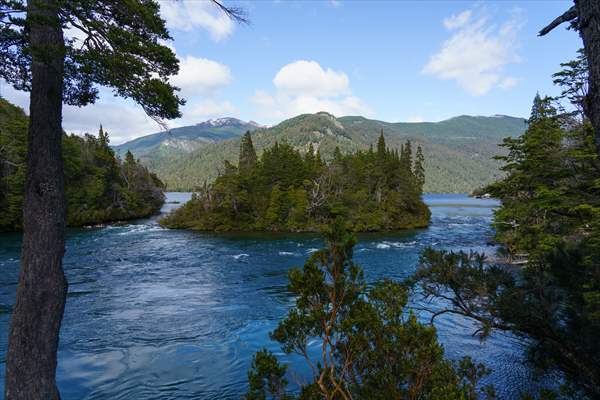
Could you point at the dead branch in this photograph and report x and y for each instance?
(569, 15)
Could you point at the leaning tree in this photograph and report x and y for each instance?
(584, 16)
(121, 46)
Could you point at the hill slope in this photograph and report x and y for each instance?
(186, 139)
(458, 151)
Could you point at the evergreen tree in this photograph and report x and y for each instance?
(103, 137)
(381, 147)
(123, 49)
(419, 168)
(286, 191)
(406, 156)
(549, 214)
(370, 347)
(247, 154)
(536, 108)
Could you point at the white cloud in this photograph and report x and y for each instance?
(186, 15)
(305, 87)
(477, 52)
(457, 21)
(508, 83)
(308, 78)
(123, 119)
(200, 76)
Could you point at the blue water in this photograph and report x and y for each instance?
(161, 314)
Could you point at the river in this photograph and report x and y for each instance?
(162, 314)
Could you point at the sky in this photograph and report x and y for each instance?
(395, 61)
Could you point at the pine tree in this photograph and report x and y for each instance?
(248, 157)
(407, 156)
(381, 149)
(536, 108)
(309, 157)
(419, 169)
(103, 137)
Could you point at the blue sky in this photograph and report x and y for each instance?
(394, 61)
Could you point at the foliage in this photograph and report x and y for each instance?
(13, 150)
(550, 191)
(286, 191)
(550, 213)
(362, 342)
(99, 187)
(122, 47)
(458, 151)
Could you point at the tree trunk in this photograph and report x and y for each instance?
(42, 289)
(588, 12)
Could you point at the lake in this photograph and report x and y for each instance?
(162, 314)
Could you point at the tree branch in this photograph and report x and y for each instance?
(569, 15)
(237, 14)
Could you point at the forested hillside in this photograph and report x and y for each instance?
(99, 186)
(459, 152)
(284, 190)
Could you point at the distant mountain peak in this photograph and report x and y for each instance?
(227, 121)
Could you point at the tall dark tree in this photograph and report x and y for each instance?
(123, 49)
(535, 108)
(419, 168)
(406, 156)
(247, 153)
(103, 137)
(585, 17)
(381, 148)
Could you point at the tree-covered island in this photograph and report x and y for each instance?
(286, 191)
(99, 187)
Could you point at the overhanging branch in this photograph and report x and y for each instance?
(569, 15)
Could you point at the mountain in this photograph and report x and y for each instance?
(459, 151)
(179, 141)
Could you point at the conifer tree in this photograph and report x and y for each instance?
(247, 154)
(419, 169)
(309, 157)
(536, 108)
(381, 149)
(103, 137)
(407, 155)
(123, 48)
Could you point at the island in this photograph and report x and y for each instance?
(286, 190)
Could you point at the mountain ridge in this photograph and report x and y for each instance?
(459, 151)
(185, 139)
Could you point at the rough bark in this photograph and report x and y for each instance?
(588, 24)
(41, 293)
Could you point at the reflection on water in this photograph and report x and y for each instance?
(154, 313)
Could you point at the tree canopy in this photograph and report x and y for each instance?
(357, 340)
(288, 191)
(116, 44)
(550, 215)
(99, 187)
